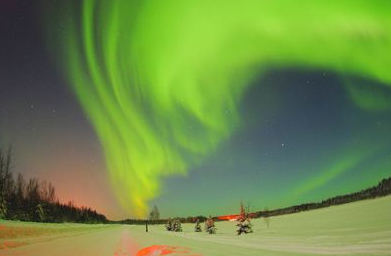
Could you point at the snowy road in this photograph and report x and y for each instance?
(361, 228)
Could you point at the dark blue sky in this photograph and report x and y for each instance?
(296, 125)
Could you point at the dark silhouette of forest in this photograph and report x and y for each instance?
(161, 221)
(34, 200)
(382, 189)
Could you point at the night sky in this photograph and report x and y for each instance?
(40, 118)
(175, 116)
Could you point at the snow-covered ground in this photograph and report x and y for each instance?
(360, 228)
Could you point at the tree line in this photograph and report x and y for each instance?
(189, 219)
(382, 189)
(35, 200)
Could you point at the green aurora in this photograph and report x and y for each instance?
(158, 77)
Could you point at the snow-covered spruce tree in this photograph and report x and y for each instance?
(197, 227)
(176, 227)
(169, 224)
(210, 226)
(244, 226)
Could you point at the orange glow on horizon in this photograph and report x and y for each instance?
(164, 250)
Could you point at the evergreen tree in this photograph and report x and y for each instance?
(41, 213)
(197, 227)
(210, 225)
(6, 183)
(169, 224)
(3, 207)
(177, 227)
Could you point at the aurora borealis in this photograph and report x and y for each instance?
(186, 94)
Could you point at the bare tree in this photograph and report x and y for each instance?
(32, 191)
(266, 217)
(20, 186)
(51, 193)
(154, 214)
(247, 209)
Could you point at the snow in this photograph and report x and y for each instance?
(360, 228)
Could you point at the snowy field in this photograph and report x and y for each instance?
(360, 228)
